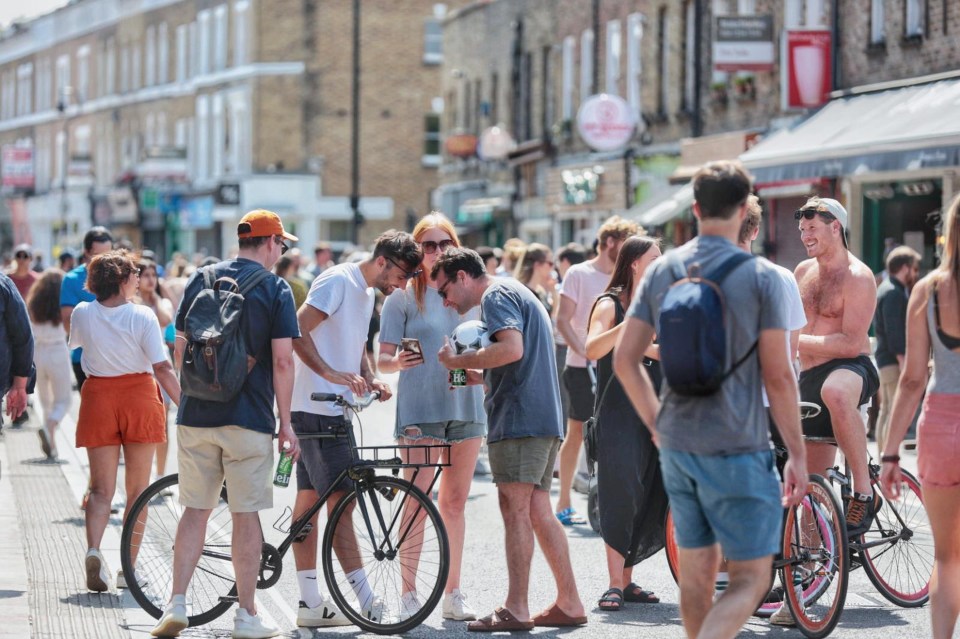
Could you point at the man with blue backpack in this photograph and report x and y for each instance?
(719, 315)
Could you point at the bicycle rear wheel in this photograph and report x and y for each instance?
(390, 530)
(901, 563)
(146, 554)
(670, 547)
(817, 568)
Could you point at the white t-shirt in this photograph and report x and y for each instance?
(796, 317)
(583, 284)
(343, 294)
(121, 340)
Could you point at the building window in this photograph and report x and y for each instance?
(218, 134)
(433, 35)
(180, 134)
(83, 74)
(915, 19)
(150, 131)
(81, 141)
(634, 61)
(135, 77)
(111, 67)
(8, 87)
(202, 142)
(163, 53)
(566, 83)
(150, 57)
(809, 14)
(220, 38)
(613, 57)
(124, 68)
(431, 140)
(24, 88)
(194, 39)
(161, 132)
(241, 29)
(746, 7)
(43, 84)
(586, 64)
(182, 53)
(663, 62)
(494, 98)
(63, 74)
(203, 51)
(689, 54)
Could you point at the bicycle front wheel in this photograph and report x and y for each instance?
(898, 554)
(817, 561)
(146, 554)
(385, 555)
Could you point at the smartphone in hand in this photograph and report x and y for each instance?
(412, 345)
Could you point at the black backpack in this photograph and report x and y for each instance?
(693, 328)
(215, 360)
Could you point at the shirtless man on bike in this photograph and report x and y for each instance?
(839, 296)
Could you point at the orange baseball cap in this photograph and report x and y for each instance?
(262, 223)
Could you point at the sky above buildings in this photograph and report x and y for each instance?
(11, 10)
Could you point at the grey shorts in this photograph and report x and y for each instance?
(450, 432)
(321, 460)
(526, 460)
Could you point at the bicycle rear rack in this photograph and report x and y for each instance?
(416, 455)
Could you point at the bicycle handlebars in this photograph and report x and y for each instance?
(340, 400)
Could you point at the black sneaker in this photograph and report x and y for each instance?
(861, 509)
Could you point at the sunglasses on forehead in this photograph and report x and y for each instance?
(809, 214)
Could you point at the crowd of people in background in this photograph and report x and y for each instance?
(574, 340)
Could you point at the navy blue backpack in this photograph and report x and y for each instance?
(693, 328)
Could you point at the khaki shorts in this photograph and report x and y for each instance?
(207, 456)
(526, 460)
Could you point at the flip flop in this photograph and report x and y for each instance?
(500, 620)
(614, 599)
(635, 594)
(569, 517)
(553, 617)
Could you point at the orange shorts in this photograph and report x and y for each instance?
(121, 410)
(938, 441)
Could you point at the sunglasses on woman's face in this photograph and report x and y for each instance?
(431, 247)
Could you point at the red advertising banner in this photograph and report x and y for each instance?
(16, 166)
(807, 69)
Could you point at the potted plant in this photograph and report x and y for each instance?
(718, 91)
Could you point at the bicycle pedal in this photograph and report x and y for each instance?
(229, 599)
(303, 533)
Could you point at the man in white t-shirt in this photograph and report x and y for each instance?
(582, 284)
(331, 358)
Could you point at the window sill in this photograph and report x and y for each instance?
(432, 59)
(915, 40)
(877, 48)
(430, 161)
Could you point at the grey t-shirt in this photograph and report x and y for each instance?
(733, 420)
(523, 398)
(423, 394)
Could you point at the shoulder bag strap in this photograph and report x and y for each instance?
(253, 281)
(209, 279)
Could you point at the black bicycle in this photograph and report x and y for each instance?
(384, 526)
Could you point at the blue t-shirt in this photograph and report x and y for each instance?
(268, 314)
(72, 293)
(523, 399)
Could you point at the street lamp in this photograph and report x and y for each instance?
(63, 103)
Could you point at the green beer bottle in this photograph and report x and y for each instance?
(284, 470)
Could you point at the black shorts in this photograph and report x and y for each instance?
(811, 381)
(579, 392)
(321, 460)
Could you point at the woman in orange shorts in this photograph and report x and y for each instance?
(120, 405)
(933, 327)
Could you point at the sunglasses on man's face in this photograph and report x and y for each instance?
(431, 247)
(407, 275)
(283, 246)
(809, 214)
(23, 256)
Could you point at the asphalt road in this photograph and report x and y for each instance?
(484, 576)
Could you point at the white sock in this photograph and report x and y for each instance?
(180, 600)
(358, 579)
(723, 579)
(309, 588)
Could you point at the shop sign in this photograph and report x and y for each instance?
(123, 206)
(228, 194)
(196, 212)
(579, 186)
(808, 69)
(16, 165)
(743, 43)
(606, 122)
(495, 144)
(461, 145)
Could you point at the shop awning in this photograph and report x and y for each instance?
(658, 213)
(907, 128)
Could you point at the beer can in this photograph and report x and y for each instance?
(458, 377)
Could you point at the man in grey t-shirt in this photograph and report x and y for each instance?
(715, 453)
(524, 430)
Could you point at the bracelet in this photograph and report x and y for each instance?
(893, 459)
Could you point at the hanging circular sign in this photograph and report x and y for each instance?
(606, 122)
(495, 144)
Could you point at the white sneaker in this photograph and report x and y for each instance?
(455, 607)
(325, 614)
(247, 626)
(409, 605)
(173, 619)
(375, 610)
(98, 575)
(783, 616)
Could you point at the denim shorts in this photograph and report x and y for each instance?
(730, 499)
(322, 460)
(450, 432)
